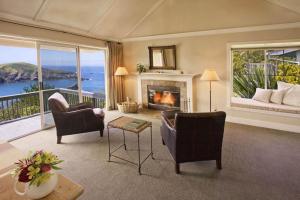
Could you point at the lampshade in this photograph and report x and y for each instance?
(121, 71)
(210, 75)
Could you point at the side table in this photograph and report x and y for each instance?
(131, 125)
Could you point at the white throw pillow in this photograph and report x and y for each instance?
(292, 96)
(262, 95)
(277, 96)
(283, 85)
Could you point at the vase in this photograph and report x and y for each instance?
(38, 192)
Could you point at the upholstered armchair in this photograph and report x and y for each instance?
(193, 136)
(74, 119)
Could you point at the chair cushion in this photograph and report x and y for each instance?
(99, 112)
(60, 98)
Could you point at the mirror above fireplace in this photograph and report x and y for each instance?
(162, 57)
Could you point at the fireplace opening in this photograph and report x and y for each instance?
(163, 97)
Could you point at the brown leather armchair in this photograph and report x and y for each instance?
(193, 136)
(74, 119)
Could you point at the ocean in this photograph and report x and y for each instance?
(93, 81)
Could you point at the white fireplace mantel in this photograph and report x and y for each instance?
(187, 78)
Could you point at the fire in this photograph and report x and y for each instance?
(168, 98)
(157, 97)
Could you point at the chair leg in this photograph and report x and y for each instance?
(163, 142)
(101, 133)
(219, 163)
(177, 168)
(59, 139)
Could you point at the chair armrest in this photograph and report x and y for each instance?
(79, 106)
(169, 114)
(168, 124)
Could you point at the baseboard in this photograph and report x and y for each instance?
(264, 124)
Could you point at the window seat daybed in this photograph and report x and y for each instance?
(253, 104)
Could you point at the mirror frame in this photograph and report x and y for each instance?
(173, 47)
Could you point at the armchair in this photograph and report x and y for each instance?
(74, 119)
(193, 136)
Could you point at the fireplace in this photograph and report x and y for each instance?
(163, 97)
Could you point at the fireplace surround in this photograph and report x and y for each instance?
(185, 82)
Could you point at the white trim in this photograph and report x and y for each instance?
(258, 123)
(40, 79)
(229, 74)
(216, 32)
(45, 41)
(254, 44)
(78, 68)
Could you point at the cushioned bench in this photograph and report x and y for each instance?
(253, 104)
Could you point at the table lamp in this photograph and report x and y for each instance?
(210, 75)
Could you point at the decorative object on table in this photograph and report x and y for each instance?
(193, 136)
(133, 125)
(210, 75)
(84, 115)
(37, 172)
(162, 57)
(140, 68)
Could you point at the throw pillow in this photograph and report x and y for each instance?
(277, 96)
(283, 85)
(262, 95)
(292, 96)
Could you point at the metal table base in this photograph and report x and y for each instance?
(139, 164)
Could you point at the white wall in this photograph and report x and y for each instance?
(194, 54)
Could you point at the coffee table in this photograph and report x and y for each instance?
(135, 126)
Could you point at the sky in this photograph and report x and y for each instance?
(50, 57)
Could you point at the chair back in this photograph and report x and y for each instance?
(58, 103)
(199, 134)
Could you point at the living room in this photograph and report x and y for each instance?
(79, 79)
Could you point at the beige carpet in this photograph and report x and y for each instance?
(257, 164)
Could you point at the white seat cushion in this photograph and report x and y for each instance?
(98, 111)
(59, 97)
(262, 95)
(252, 104)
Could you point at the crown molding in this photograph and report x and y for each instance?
(215, 32)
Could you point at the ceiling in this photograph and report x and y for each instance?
(121, 19)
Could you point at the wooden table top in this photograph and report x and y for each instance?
(8, 156)
(65, 189)
(129, 124)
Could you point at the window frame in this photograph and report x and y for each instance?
(251, 45)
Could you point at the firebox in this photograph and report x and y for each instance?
(163, 97)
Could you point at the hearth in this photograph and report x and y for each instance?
(163, 97)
